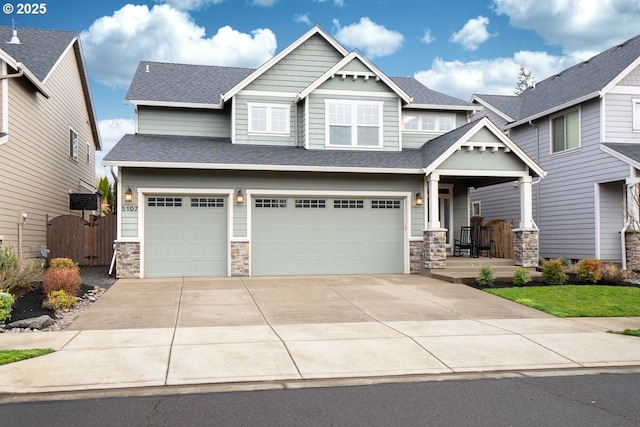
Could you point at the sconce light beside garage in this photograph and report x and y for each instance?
(128, 196)
(419, 199)
(239, 197)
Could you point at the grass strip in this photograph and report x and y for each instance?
(11, 356)
(576, 300)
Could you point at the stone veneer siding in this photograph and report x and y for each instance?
(415, 256)
(434, 249)
(526, 249)
(127, 260)
(239, 258)
(632, 249)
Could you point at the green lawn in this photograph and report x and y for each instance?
(10, 356)
(576, 301)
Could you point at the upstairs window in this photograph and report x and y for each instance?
(636, 114)
(428, 122)
(269, 118)
(565, 132)
(353, 124)
(73, 144)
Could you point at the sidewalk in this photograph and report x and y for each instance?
(202, 331)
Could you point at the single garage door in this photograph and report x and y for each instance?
(185, 236)
(327, 236)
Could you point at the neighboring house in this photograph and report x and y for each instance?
(582, 126)
(48, 133)
(314, 163)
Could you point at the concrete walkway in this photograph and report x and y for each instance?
(229, 330)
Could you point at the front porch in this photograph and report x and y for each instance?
(466, 270)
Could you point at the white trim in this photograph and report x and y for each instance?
(205, 106)
(87, 186)
(406, 195)
(578, 109)
(269, 118)
(5, 100)
(268, 94)
(491, 107)
(233, 121)
(419, 115)
(443, 107)
(596, 195)
(143, 192)
(624, 90)
(479, 204)
(480, 172)
(73, 155)
(59, 59)
(400, 141)
(119, 207)
(631, 162)
(354, 125)
(555, 109)
(621, 75)
(635, 102)
(307, 139)
(355, 93)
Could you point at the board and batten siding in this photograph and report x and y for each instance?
(619, 110)
(285, 181)
(36, 171)
(184, 121)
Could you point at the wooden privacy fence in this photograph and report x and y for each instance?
(85, 242)
(502, 236)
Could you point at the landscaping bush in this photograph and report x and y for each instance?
(611, 274)
(62, 279)
(59, 300)
(487, 276)
(588, 270)
(521, 276)
(63, 263)
(18, 276)
(553, 272)
(6, 304)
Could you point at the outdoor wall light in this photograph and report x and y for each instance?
(239, 197)
(419, 199)
(128, 196)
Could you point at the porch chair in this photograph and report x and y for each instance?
(465, 242)
(484, 241)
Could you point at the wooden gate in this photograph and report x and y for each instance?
(85, 242)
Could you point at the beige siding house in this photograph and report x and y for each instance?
(48, 133)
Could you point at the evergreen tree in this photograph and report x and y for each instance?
(525, 80)
(106, 202)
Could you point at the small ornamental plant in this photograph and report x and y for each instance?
(63, 274)
(6, 305)
(611, 274)
(553, 272)
(59, 300)
(63, 263)
(521, 277)
(589, 270)
(487, 276)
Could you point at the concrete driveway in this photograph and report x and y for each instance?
(248, 330)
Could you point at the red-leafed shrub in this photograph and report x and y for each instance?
(62, 279)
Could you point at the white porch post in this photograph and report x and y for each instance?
(633, 212)
(526, 203)
(434, 210)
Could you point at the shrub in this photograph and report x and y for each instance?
(18, 275)
(553, 272)
(63, 263)
(61, 279)
(6, 305)
(487, 276)
(59, 300)
(611, 274)
(521, 276)
(588, 270)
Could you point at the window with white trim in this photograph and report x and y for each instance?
(428, 122)
(636, 114)
(88, 153)
(565, 131)
(476, 209)
(269, 118)
(353, 123)
(73, 144)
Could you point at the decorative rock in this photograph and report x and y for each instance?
(33, 323)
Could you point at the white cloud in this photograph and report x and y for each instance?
(427, 38)
(302, 18)
(336, 2)
(111, 131)
(586, 27)
(494, 76)
(136, 33)
(372, 39)
(473, 34)
(190, 4)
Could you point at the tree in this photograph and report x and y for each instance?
(525, 80)
(107, 199)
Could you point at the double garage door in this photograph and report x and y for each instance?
(187, 236)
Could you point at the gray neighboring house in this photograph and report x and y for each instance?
(582, 126)
(314, 163)
(48, 133)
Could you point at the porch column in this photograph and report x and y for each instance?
(434, 211)
(526, 250)
(434, 239)
(526, 203)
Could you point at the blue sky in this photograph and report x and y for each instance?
(458, 47)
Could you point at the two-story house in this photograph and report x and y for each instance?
(582, 126)
(48, 133)
(314, 163)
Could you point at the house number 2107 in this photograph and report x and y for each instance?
(129, 209)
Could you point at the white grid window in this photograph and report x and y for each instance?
(353, 124)
(73, 144)
(385, 204)
(476, 209)
(271, 203)
(207, 202)
(565, 132)
(268, 118)
(311, 203)
(164, 202)
(348, 204)
(428, 122)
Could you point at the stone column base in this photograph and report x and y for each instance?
(526, 249)
(434, 249)
(415, 256)
(128, 260)
(239, 258)
(632, 249)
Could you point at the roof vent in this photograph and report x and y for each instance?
(146, 70)
(14, 38)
